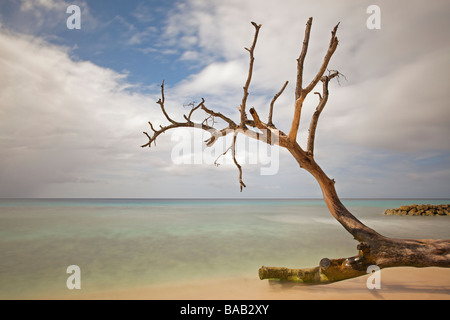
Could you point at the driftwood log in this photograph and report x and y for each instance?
(372, 248)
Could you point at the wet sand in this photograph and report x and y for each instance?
(396, 283)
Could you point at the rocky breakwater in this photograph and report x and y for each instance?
(420, 210)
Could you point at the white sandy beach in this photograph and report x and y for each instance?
(396, 283)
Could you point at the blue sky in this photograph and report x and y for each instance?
(121, 35)
(74, 103)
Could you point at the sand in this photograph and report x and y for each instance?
(396, 283)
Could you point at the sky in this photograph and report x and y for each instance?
(74, 102)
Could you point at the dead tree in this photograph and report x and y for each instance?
(373, 248)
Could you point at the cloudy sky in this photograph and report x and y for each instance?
(74, 103)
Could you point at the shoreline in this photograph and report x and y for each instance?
(396, 284)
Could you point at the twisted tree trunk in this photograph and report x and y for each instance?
(373, 248)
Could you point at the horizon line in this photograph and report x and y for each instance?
(206, 198)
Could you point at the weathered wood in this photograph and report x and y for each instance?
(250, 73)
(373, 248)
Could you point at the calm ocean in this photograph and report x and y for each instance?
(128, 242)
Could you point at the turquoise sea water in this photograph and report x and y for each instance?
(121, 243)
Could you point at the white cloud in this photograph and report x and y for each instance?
(215, 79)
(393, 100)
(71, 128)
(189, 56)
(63, 120)
(141, 36)
(29, 5)
(405, 110)
(45, 17)
(144, 13)
(394, 97)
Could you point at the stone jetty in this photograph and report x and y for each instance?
(420, 210)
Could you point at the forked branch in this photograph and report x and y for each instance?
(175, 124)
(322, 102)
(300, 92)
(215, 133)
(331, 49)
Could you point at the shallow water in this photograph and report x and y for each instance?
(126, 243)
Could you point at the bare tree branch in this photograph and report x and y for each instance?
(322, 102)
(221, 155)
(161, 103)
(373, 248)
(331, 49)
(188, 118)
(233, 150)
(301, 59)
(315, 118)
(301, 93)
(249, 77)
(174, 124)
(271, 135)
(233, 153)
(257, 120)
(269, 121)
(231, 123)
